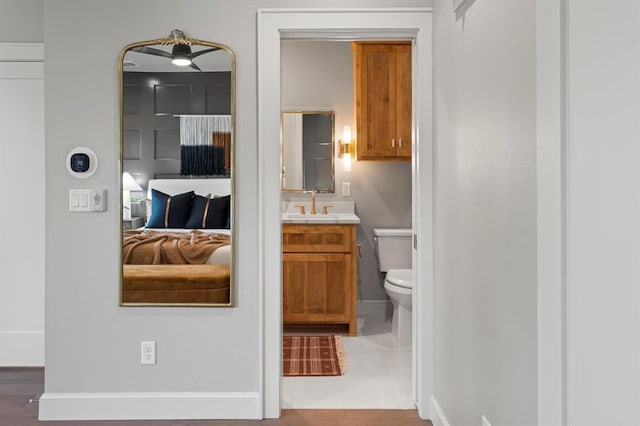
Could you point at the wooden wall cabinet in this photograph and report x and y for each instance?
(383, 100)
(319, 274)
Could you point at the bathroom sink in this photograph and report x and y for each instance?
(342, 212)
(310, 217)
(320, 218)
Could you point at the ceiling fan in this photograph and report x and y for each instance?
(181, 54)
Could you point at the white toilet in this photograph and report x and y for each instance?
(394, 257)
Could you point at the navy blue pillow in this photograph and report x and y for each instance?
(209, 213)
(169, 211)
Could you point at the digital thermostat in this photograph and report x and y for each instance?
(82, 162)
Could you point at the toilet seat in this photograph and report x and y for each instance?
(400, 277)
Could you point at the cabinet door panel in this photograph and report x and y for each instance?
(403, 101)
(383, 101)
(376, 121)
(380, 94)
(294, 288)
(338, 294)
(315, 287)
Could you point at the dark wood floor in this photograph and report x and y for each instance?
(19, 386)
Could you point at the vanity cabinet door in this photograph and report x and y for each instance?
(383, 100)
(317, 287)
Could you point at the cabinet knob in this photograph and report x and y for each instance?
(393, 143)
(400, 142)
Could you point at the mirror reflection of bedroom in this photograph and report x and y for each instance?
(177, 104)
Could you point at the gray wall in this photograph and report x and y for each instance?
(485, 227)
(22, 21)
(603, 207)
(92, 345)
(319, 75)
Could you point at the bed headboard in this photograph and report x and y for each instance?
(217, 186)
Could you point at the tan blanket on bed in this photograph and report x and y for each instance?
(145, 247)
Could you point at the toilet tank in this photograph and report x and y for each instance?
(393, 247)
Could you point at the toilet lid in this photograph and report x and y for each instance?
(400, 277)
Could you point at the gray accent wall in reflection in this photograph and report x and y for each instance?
(151, 132)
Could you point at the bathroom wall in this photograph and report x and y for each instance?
(485, 226)
(319, 75)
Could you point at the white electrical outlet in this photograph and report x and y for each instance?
(148, 352)
(485, 422)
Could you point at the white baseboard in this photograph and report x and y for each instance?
(22, 348)
(149, 406)
(438, 418)
(372, 308)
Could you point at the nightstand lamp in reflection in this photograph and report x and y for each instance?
(128, 184)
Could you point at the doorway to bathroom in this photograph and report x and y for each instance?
(369, 199)
(275, 27)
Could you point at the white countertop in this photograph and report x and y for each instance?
(339, 212)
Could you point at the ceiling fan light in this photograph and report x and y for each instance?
(181, 61)
(181, 54)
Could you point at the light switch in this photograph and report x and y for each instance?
(346, 189)
(79, 200)
(84, 200)
(87, 200)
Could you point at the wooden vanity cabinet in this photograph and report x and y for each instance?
(383, 105)
(319, 274)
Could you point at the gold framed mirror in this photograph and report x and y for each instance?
(177, 122)
(307, 150)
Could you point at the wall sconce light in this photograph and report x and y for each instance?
(346, 148)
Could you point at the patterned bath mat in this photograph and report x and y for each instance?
(313, 356)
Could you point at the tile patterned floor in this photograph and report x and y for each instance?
(378, 374)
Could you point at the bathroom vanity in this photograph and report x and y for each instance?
(320, 269)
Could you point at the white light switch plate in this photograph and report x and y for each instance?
(87, 200)
(346, 189)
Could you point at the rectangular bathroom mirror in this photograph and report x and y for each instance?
(307, 151)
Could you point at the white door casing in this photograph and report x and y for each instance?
(350, 24)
